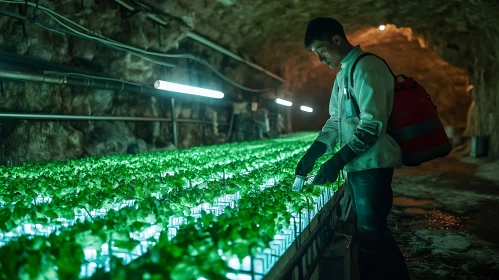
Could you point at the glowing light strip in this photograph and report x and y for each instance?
(187, 89)
(283, 102)
(306, 109)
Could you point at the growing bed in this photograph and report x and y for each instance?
(215, 212)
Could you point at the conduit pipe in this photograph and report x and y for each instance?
(194, 36)
(15, 116)
(88, 83)
(95, 83)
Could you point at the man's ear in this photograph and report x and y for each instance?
(336, 39)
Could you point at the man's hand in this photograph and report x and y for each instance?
(331, 169)
(307, 162)
(327, 174)
(305, 165)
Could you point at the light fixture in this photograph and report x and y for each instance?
(382, 27)
(187, 89)
(283, 102)
(306, 109)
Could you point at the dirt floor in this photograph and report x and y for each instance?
(445, 218)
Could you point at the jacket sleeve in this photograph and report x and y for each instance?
(371, 85)
(329, 133)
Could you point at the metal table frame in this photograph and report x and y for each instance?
(332, 230)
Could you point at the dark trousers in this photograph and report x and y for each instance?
(372, 198)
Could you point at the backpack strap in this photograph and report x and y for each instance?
(357, 61)
(354, 102)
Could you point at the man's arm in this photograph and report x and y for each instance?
(372, 88)
(329, 132)
(324, 142)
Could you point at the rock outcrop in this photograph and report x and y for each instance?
(450, 47)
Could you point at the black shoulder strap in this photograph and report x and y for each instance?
(364, 55)
(356, 106)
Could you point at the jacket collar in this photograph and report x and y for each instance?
(350, 57)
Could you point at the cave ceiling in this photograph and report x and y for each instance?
(428, 39)
(271, 32)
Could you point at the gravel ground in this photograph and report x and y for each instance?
(446, 218)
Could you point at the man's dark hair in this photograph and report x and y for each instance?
(323, 29)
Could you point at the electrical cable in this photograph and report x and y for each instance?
(105, 43)
(89, 76)
(51, 29)
(102, 39)
(188, 56)
(57, 17)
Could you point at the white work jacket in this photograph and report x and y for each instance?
(365, 132)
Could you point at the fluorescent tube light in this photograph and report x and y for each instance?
(283, 102)
(187, 89)
(306, 109)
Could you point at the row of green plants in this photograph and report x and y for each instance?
(202, 246)
(118, 181)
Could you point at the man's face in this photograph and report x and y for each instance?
(328, 53)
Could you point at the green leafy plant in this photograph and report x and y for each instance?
(119, 196)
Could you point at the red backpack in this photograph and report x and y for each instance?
(414, 122)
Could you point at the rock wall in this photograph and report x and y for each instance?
(476, 51)
(34, 141)
(461, 33)
(483, 116)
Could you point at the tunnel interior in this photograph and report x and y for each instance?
(429, 41)
(77, 85)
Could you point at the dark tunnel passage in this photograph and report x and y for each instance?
(406, 54)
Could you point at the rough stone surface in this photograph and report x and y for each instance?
(100, 138)
(105, 138)
(446, 45)
(448, 242)
(445, 220)
(462, 33)
(59, 142)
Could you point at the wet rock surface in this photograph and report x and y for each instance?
(444, 218)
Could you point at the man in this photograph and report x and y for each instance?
(368, 154)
